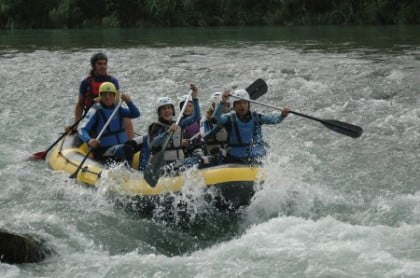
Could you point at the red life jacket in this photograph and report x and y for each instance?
(92, 91)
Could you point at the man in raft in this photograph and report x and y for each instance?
(245, 140)
(89, 89)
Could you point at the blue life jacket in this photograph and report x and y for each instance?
(245, 139)
(114, 133)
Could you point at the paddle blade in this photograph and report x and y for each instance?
(152, 172)
(343, 128)
(38, 156)
(257, 88)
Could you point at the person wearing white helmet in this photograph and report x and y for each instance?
(112, 140)
(245, 141)
(158, 131)
(214, 135)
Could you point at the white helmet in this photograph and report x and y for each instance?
(241, 93)
(184, 98)
(216, 98)
(163, 101)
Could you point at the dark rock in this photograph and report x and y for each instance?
(17, 249)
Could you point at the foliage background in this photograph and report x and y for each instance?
(138, 13)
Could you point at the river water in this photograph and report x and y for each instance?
(331, 206)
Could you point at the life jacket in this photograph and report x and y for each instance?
(173, 150)
(92, 91)
(191, 130)
(245, 140)
(115, 132)
(218, 139)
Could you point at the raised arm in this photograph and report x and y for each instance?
(132, 111)
(274, 118)
(196, 115)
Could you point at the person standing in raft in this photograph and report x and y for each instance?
(190, 130)
(158, 131)
(111, 143)
(245, 141)
(89, 90)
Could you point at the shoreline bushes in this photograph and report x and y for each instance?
(16, 14)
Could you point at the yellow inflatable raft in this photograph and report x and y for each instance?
(235, 183)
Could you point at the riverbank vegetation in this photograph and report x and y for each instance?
(140, 13)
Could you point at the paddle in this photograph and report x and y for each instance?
(337, 126)
(43, 155)
(257, 88)
(152, 170)
(74, 175)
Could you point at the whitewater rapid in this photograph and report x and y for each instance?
(331, 206)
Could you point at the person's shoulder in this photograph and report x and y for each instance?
(154, 124)
(155, 128)
(85, 80)
(113, 80)
(104, 78)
